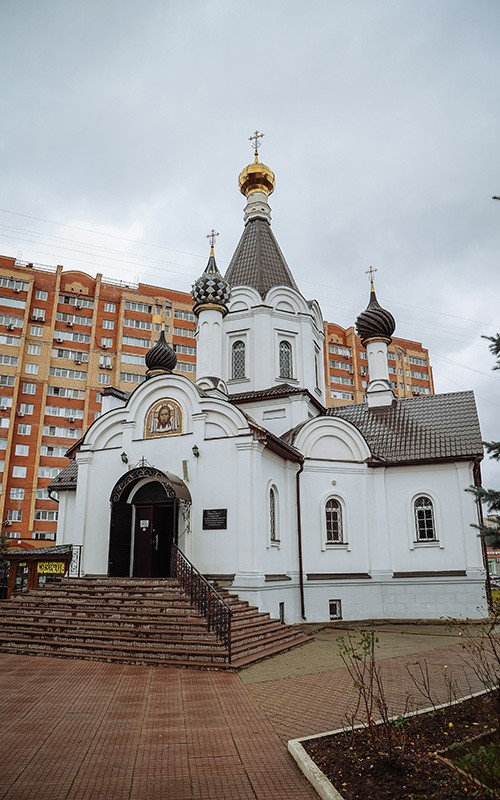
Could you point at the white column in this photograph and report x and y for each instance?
(379, 392)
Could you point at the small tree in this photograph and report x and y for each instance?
(491, 497)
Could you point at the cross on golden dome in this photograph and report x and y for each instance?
(254, 138)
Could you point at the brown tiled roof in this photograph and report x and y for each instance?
(66, 479)
(258, 260)
(432, 428)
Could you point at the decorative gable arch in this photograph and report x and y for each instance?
(340, 441)
(175, 488)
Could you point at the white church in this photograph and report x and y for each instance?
(309, 513)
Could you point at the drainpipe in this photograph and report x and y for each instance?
(477, 482)
(299, 544)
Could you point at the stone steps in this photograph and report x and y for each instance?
(137, 622)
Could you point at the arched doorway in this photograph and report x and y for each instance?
(144, 522)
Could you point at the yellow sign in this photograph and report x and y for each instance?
(51, 567)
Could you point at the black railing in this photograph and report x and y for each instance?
(75, 566)
(204, 597)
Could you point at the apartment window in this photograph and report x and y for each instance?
(42, 494)
(65, 391)
(285, 359)
(132, 305)
(336, 395)
(186, 349)
(142, 324)
(12, 283)
(53, 452)
(31, 369)
(342, 380)
(41, 295)
(63, 433)
(60, 411)
(334, 525)
(108, 324)
(362, 354)
(10, 360)
(273, 515)
(5, 402)
(422, 362)
(48, 472)
(425, 528)
(78, 302)
(26, 408)
(38, 313)
(3, 444)
(110, 307)
(18, 472)
(105, 342)
(189, 332)
(10, 301)
(238, 359)
(17, 494)
(7, 380)
(22, 450)
(44, 515)
(104, 380)
(14, 341)
(130, 377)
(14, 515)
(24, 430)
(128, 358)
(134, 341)
(61, 372)
(184, 366)
(44, 535)
(179, 314)
(105, 361)
(340, 351)
(4, 422)
(29, 388)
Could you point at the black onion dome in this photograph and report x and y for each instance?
(161, 357)
(375, 322)
(210, 288)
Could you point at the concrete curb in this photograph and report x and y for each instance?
(318, 780)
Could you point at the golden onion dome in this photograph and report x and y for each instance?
(256, 177)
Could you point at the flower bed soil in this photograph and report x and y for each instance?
(351, 761)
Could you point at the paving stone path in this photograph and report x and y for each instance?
(80, 730)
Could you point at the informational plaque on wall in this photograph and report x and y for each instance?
(214, 519)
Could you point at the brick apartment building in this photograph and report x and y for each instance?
(66, 336)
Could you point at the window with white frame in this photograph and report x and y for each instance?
(24, 430)
(29, 388)
(108, 324)
(334, 522)
(16, 493)
(40, 294)
(14, 515)
(43, 514)
(31, 369)
(22, 450)
(285, 359)
(273, 515)
(19, 472)
(238, 359)
(110, 307)
(34, 349)
(425, 526)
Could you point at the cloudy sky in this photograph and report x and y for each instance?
(124, 126)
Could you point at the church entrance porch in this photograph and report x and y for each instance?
(144, 523)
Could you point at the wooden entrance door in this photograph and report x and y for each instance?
(153, 537)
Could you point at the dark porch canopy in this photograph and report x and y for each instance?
(174, 487)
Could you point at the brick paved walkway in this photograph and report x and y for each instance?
(77, 730)
(88, 731)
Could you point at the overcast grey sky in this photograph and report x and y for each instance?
(124, 126)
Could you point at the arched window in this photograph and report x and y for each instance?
(425, 527)
(334, 526)
(273, 515)
(286, 366)
(238, 359)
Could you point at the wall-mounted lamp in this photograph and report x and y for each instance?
(124, 457)
(196, 452)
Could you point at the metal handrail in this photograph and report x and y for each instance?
(204, 597)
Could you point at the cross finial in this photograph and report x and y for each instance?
(371, 273)
(254, 138)
(212, 236)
